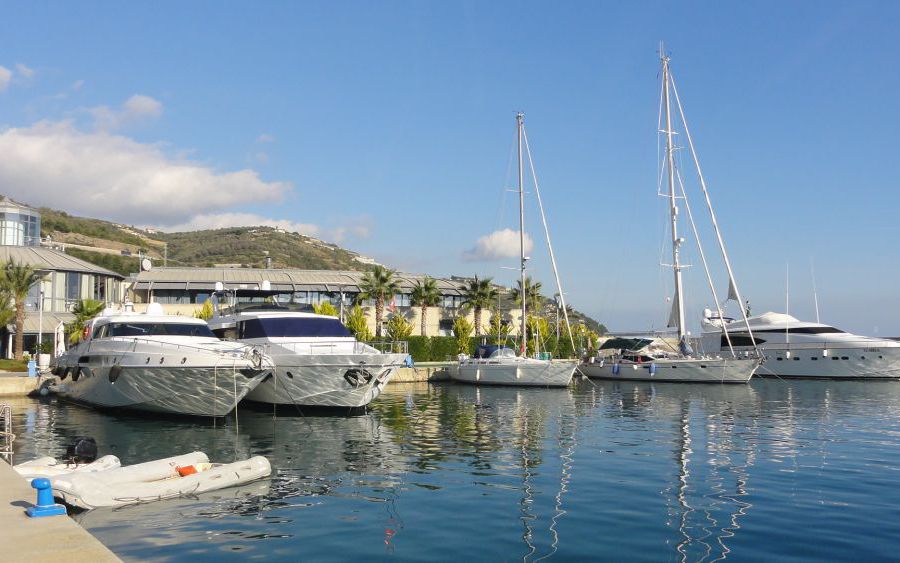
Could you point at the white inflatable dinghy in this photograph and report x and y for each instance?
(50, 467)
(156, 480)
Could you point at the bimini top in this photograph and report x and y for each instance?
(493, 351)
(628, 344)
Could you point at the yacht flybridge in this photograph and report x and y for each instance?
(318, 362)
(158, 363)
(795, 348)
(682, 364)
(498, 365)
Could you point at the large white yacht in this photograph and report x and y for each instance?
(159, 363)
(318, 362)
(795, 348)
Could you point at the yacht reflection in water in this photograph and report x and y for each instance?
(715, 446)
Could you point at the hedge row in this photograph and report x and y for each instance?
(443, 348)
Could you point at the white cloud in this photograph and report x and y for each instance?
(24, 70)
(359, 227)
(265, 138)
(497, 246)
(222, 220)
(5, 78)
(76, 86)
(99, 174)
(137, 108)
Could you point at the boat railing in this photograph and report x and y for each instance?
(341, 347)
(6, 435)
(391, 347)
(130, 345)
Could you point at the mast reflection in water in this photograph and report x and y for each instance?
(602, 470)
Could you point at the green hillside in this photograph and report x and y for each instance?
(249, 246)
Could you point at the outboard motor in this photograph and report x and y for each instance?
(83, 449)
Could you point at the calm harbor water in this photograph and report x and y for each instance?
(805, 470)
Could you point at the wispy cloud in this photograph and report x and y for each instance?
(265, 138)
(25, 71)
(498, 245)
(5, 78)
(136, 109)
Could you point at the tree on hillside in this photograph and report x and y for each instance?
(425, 294)
(479, 294)
(17, 281)
(379, 284)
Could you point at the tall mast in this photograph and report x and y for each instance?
(520, 119)
(673, 207)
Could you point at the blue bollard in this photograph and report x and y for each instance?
(32, 368)
(45, 505)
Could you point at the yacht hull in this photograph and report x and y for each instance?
(840, 363)
(529, 373)
(685, 370)
(323, 380)
(159, 382)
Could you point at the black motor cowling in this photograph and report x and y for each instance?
(83, 449)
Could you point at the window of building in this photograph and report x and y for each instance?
(73, 286)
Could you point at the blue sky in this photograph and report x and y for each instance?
(388, 126)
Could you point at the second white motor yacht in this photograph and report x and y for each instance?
(318, 362)
(795, 348)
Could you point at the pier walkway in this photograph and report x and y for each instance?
(35, 540)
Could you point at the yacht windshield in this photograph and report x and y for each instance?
(155, 329)
(281, 327)
(803, 330)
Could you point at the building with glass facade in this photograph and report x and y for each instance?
(20, 225)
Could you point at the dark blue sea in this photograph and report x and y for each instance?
(774, 470)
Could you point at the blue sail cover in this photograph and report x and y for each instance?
(282, 327)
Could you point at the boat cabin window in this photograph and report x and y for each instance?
(229, 333)
(282, 327)
(154, 329)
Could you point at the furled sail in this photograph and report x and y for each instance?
(673, 315)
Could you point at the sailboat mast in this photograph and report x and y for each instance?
(520, 119)
(673, 206)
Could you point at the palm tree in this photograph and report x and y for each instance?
(17, 280)
(425, 294)
(533, 297)
(85, 310)
(479, 294)
(379, 284)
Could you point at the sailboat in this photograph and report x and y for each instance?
(499, 365)
(682, 364)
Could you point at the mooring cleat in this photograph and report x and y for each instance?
(45, 505)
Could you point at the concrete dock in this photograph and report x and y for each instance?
(33, 540)
(424, 371)
(18, 383)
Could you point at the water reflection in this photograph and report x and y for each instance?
(603, 469)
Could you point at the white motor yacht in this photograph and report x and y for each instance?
(795, 348)
(318, 362)
(159, 363)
